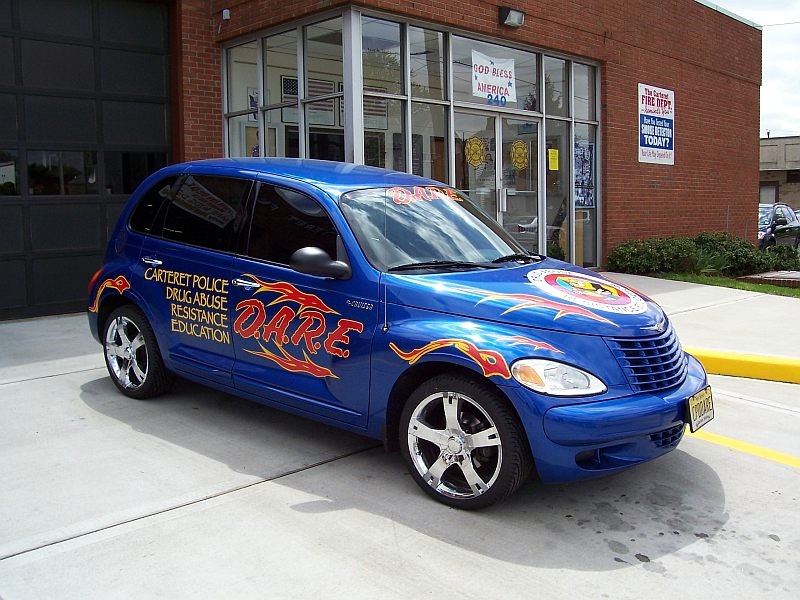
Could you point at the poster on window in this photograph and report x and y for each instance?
(656, 125)
(493, 79)
(584, 175)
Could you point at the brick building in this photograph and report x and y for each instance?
(600, 121)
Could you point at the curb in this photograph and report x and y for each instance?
(752, 366)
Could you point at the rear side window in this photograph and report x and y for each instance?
(207, 211)
(285, 221)
(144, 215)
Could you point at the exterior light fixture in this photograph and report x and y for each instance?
(511, 17)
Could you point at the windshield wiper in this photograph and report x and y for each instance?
(439, 264)
(518, 256)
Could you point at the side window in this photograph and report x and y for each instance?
(787, 214)
(285, 221)
(144, 215)
(207, 211)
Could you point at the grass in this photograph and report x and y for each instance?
(729, 282)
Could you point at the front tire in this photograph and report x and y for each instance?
(132, 356)
(463, 444)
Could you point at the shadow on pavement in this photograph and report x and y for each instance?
(630, 518)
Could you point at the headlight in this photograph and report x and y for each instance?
(761, 234)
(555, 378)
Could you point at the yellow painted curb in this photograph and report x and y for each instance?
(753, 366)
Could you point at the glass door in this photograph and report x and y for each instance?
(519, 195)
(476, 169)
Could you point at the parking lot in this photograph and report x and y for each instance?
(199, 494)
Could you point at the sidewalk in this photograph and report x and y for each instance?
(730, 330)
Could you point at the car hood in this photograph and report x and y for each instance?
(548, 295)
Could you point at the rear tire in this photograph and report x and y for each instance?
(462, 442)
(132, 356)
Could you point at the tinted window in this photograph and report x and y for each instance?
(144, 215)
(207, 212)
(285, 221)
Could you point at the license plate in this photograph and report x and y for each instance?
(700, 409)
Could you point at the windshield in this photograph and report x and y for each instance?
(399, 227)
(764, 216)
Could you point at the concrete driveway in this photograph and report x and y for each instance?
(202, 495)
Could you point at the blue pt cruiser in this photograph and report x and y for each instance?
(392, 306)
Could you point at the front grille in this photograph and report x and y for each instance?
(667, 438)
(651, 363)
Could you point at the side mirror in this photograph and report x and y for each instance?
(315, 261)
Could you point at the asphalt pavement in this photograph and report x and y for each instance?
(202, 495)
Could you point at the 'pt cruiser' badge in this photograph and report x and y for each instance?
(592, 292)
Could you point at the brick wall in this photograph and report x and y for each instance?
(198, 76)
(711, 61)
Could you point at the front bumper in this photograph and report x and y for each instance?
(581, 441)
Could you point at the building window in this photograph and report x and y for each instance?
(243, 95)
(793, 176)
(53, 172)
(477, 83)
(9, 173)
(429, 141)
(126, 170)
(585, 161)
(382, 62)
(242, 78)
(585, 92)
(426, 57)
(556, 86)
(434, 104)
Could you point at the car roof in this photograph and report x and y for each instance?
(333, 177)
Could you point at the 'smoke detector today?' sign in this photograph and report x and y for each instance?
(656, 125)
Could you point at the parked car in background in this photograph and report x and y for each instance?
(778, 225)
(392, 306)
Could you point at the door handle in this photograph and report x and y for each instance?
(245, 283)
(149, 260)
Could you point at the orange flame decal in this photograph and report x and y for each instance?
(119, 283)
(288, 293)
(490, 362)
(526, 301)
(294, 365)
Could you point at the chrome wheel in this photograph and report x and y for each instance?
(126, 353)
(454, 445)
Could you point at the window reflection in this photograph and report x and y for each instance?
(384, 135)
(585, 195)
(585, 99)
(126, 170)
(557, 188)
(323, 57)
(62, 173)
(556, 86)
(242, 78)
(381, 63)
(427, 63)
(9, 175)
(280, 62)
(428, 136)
